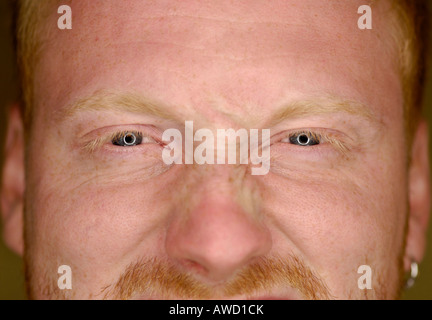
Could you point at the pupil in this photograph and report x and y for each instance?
(129, 139)
(303, 139)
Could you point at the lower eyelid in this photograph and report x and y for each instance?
(139, 148)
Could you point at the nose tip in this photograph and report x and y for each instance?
(217, 239)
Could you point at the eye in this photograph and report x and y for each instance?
(304, 139)
(127, 139)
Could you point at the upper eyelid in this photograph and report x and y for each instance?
(314, 135)
(119, 128)
(313, 131)
(118, 134)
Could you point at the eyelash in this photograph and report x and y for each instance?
(94, 144)
(119, 135)
(321, 137)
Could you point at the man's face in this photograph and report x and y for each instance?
(131, 226)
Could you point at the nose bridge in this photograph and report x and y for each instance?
(218, 227)
(227, 183)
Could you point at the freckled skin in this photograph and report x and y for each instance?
(223, 64)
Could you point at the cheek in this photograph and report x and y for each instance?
(95, 218)
(97, 231)
(340, 218)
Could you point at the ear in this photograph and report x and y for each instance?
(13, 182)
(419, 197)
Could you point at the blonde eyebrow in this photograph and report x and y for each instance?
(321, 106)
(104, 100)
(118, 101)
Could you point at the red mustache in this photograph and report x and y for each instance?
(153, 277)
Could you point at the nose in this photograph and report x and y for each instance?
(216, 238)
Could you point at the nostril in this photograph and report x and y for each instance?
(195, 266)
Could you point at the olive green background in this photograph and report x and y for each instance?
(11, 268)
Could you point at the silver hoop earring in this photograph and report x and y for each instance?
(412, 276)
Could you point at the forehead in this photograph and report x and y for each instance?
(238, 55)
